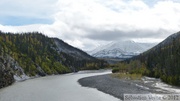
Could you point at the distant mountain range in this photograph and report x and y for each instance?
(121, 49)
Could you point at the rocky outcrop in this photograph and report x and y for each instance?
(9, 69)
(6, 76)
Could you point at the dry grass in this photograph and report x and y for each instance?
(127, 76)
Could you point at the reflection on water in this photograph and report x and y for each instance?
(55, 88)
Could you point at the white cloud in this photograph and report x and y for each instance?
(87, 23)
(28, 8)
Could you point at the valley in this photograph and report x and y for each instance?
(29, 55)
(90, 50)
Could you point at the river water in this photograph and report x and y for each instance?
(55, 88)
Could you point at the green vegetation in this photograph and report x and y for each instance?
(162, 61)
(115, 70)
(38, 54)
(133, 70)
(131, 67)
(6, 75)
(95, 65)
(31, 50)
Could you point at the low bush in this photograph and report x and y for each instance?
(115, 70)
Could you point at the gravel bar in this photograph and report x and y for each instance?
(114, 86)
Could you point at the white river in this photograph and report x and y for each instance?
(55, 88)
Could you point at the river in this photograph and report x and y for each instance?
(55, 88)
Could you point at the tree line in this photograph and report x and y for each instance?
(34, 51)
(162, 61)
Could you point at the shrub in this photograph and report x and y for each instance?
(115, 70)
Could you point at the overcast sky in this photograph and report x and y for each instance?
(88, 23)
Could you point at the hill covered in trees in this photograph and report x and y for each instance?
(162, 61)
(35, 54)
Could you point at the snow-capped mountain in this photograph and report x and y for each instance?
(121, 49)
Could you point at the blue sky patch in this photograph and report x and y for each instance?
(20, 21)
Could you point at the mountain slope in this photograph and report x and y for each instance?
(34, 54)
(74, 52)
(163, 60)
(121, 49)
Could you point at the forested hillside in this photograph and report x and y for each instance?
(40, 55)
(33, 50)
(162, 61)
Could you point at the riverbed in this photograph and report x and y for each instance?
(119, 87)
(56, 88)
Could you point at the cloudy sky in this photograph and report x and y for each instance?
(87, 24)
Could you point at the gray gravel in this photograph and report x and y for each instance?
(114, 86)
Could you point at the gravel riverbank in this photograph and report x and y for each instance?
(119, 87)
